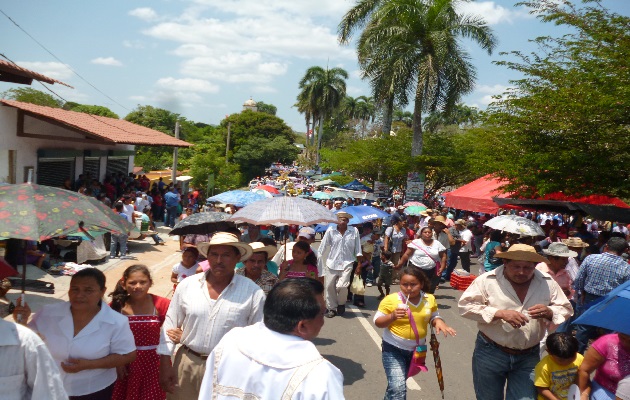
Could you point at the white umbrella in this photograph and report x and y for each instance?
(284, 211)
(515, 224)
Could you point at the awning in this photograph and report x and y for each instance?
(601, 212)
(356, 185)
(13, 73)
(477, 195)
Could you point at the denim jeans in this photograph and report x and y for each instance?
(376, 269)
(492, 367)
(118, 240)
(396, 362)
(451, 263)
(583, 333)
(565, 327)
(171, 215)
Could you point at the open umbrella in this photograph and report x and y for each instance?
(611, 311)
(202, 223)
(414, 203)
(284, 211)
(262, 192)
(268, 188)
(415, 210)
(361, 214)
(340, 195)
(321, 195)
(515, 224)
(239, 198)
(435, 349)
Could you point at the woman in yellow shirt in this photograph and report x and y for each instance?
(399, 339)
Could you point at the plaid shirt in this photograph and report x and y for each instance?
(266, 281)
(601, 273)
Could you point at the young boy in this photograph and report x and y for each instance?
(386, 273)
(557, 371)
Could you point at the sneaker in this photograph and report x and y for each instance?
(330, 314)
(341, 309)
(369, 284)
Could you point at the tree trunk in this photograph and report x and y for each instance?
(313, 132)
(319, 136)
(416, 144)
(388, 113)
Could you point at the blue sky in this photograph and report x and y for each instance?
(204, 58)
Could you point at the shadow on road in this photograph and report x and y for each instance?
(351, 370)
(323, 341)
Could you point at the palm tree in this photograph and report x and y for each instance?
(323, 90)
(365, 112)
(412, 47)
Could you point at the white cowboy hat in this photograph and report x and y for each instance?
(260, 247)
(225, 239)
(558, 249)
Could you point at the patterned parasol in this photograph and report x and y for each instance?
(435, 349)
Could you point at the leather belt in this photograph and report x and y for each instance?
(509, 350)
(193, 352)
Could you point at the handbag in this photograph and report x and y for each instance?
(418, 360)
(437, 263)
(357, 285)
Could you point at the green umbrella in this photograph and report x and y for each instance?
(415, 210)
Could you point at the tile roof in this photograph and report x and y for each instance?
(108, 129)
(10, 72)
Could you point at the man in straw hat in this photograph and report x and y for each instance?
(205, 307)
(255, 266)
(344, 245)
(599, 274)
(512, 305)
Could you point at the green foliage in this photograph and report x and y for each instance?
(565, 125)
(257, 153)
(341, 179)
(266, 108)
(208, 159)
(94, 110)
(33, 96)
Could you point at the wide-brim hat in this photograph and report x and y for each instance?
(307, 232)
(440, 219)
(225, 239)
(558, 249)
(574, 242)
(522, 252)
(260, 247)
(461, 222)
(342, 214)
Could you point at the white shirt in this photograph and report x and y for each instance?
(128, 211)
(107, 333)
(420, 259)
(258, 363)
(183, 272)
(204, 321)
(28, 371)
(466, 235)
(279, 257)
(344, 249)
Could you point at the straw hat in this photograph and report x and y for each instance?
(440, 219)
(342, 214)
(574, 242)
(225, 239)
(558, 249)
(460, 221)
(522, 252)
(259, 247)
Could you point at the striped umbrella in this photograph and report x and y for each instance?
(284, 211)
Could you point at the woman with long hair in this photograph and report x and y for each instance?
(303, 265)
(146, 313)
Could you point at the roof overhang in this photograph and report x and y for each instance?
(13, 73)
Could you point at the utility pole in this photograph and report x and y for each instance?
(227, 145)
(174, 171)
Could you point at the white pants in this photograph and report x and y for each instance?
(336, 282)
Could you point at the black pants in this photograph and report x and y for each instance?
(104, 394)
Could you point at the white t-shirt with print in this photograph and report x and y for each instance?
(183, 272)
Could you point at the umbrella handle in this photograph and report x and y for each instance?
(19, 316)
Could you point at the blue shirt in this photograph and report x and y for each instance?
(171, 199)
(601, 273)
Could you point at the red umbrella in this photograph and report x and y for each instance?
(6, 270)
(268, 188)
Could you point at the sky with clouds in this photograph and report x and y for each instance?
(204, 58)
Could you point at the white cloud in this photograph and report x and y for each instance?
(51, 69)
(354, 91)
(133, 44)
(138, 98)
(144, 13)
(321, 8)
(233, 67)
(264, 89)
(492, 13)
(187, 85)
(110, 61)
(487, 92)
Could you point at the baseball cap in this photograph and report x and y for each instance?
(307, 232)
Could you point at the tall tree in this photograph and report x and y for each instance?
(266, 108)
(33, 96)
(323, 89)
(412, 47)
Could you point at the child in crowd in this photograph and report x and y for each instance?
(386, 273)
(558, 370)
(187, 267)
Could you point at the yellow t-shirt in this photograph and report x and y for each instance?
(558, 378)
(421, 314)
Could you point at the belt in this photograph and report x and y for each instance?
(193, 352)
(509, 350)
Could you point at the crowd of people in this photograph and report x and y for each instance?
(244, 311)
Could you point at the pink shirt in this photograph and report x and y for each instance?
(562, 277)
(617, 364)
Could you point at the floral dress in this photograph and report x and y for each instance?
(143, 375)
(311, 272)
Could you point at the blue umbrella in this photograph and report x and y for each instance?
(319, 228)
(321, 195)
(611, 312)
(239, 198)
(361, 214)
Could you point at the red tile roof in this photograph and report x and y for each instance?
(108, 129)
(10, 72)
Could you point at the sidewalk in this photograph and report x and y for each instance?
(159, 259)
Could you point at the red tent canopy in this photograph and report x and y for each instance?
(596, 199)
(477, 195)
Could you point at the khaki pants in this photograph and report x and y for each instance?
(190, 369)
(336, 284)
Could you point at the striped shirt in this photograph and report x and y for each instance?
(203, 320)
(601, 273)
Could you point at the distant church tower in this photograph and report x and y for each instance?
(250, 105)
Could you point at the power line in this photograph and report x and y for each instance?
(58, 59)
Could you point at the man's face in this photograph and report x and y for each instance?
(519, 272)
(438, 227)
(223, 259)
(338, 206)
(256, 263)
(313, 326)
(343, 222)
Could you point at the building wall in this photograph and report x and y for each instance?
(26, 149)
